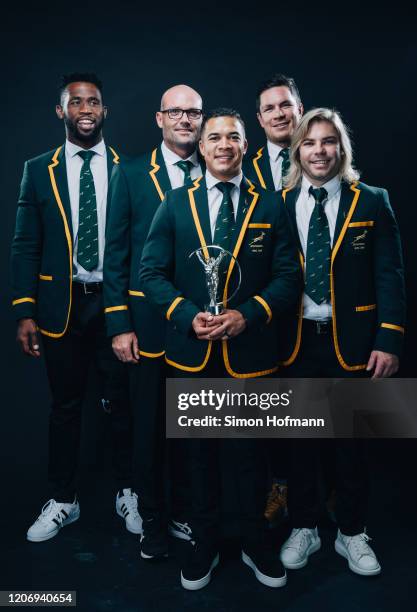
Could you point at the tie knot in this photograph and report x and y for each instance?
(319, 194)
(86, 155)
(185, 165)
(225, 188)
(285, 154)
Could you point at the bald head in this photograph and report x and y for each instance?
(180, 132)
(181, 96)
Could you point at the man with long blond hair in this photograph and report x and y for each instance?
(350, 249)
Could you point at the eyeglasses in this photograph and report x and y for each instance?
(177, 113)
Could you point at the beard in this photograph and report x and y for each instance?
(72, 128)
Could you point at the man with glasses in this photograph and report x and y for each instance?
(137, 330)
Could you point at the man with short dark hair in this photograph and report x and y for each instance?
(279, 109)
(225, 209)
(350, 249)
(136, 328)
(57, 271)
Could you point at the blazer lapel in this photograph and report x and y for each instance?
(159, 173)
(263, 169)
(290, 198)
(112, 160)
(348, 199)
(200, 211)
(59, 181)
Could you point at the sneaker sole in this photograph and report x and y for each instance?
(341, 550)
(153, 557)
(53, 533)
(178, 534)
(136, 532)
(314, 547)
(263, 578)
(194, 585)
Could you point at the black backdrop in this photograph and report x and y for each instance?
(362, 63)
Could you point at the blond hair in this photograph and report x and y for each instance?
(346, 172)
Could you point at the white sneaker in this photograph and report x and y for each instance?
(361, 558)
(296, 550)
(54, 515)
(127, 508)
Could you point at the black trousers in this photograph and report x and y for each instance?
(68, 360)
(207, 458)
(160, 466)
(347, 457)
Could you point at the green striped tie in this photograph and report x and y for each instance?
(318, 251)
(186, 166)
(285, 166)
(87, 254)
(224, 229)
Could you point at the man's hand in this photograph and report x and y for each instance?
(383, 364)
(126, 347)
(228, 324)
(203, 324)
(27, 337)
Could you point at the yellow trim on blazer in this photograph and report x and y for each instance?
(364, 308)
(153, 172)
(136, 293)
(342, 362)
(173, 306)
(115, 308)
(257, 168)
(265, 304)
(45, 277)
(185, 368)
(151, 355)
(362, 224)
(394, 327)
(51, 167)
(259, 225)
(21, 300)
(294, 354)
(236, 374)
(116, 158)
(195, 216)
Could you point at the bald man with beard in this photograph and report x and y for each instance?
(138, 332)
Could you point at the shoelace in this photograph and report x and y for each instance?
(50, 508)
(360, 545)
(298, 538)
(183, 526)
(132, 504)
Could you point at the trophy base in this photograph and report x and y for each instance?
(215, 309)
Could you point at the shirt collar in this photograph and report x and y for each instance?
(171, 158)
(72, 149)
(212, 181)
(274, 150)
(332, 186)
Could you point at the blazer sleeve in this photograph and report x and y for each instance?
(286, 283)
(26, 249)
(389, 280)
(116, 266)
(157, 269)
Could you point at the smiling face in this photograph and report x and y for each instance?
(279, 114)
(180, 135)
(223, 145)
(83, 113)
(320, 153)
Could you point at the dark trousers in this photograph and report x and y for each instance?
(245, 460)
(317, 359)
(155, 458)
(68, 360)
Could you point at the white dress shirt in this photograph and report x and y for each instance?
(98, 167)
(175, 174)
(275, 162)
(215, 197)
(303, 210)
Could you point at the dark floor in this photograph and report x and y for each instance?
(99, 559)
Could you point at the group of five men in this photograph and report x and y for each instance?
(101, 267)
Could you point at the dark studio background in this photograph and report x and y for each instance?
(362, 63)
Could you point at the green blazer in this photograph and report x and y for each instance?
(136, 191)
(366, 279)
(258, 169)
(175, 283)
(42, 254)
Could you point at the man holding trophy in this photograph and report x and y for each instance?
(220, 264)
